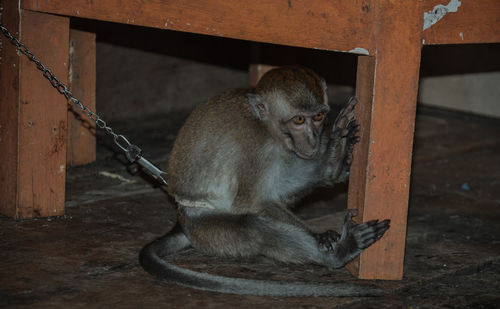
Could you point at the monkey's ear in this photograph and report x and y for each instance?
(323, 84)
(257, 105)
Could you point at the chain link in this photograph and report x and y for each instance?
(132, 152)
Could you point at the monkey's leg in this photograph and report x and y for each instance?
(342, 140)
(250, 235)
(339, 249)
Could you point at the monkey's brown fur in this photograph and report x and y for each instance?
(240, 159)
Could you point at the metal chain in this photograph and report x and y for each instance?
(132, 152)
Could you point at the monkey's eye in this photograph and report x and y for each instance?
(318, 117)
(299, 119)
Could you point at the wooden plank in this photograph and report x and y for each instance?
(82, 81)
(357, 177)
(9, 107)
(332, 25)
(475, 21)
(36, 182)
(387, 90)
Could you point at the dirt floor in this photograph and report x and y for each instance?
(88, 258)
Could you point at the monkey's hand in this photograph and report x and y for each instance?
(355, 238)
(342, 140)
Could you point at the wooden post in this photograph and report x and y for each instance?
(82, 80)
(256, 71)
(387, 86)
(33, 116)
(266, 57)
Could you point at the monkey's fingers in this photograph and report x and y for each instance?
(352, 101)
(344, 118)
(352, 139)
(353, 127)
(327, 240)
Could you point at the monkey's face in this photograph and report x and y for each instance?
(303, 133)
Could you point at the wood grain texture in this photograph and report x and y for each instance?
(38, 113)
(331, 25)
(357, 183)
(82, 81)
(476, 21)
(387, 90)
(9, 113)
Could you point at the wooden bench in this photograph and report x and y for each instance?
(38, 137)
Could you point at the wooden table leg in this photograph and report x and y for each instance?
(264, 58)
(33, 116)
(82, 80)
(255, 72)
(387, 86)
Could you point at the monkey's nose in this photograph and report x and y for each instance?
(311, 138)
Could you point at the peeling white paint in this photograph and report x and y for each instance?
(116, 176)
(166, 24)
(461, 35)
(196, 204)
(439, 11)
(359, 50)
(61, 168)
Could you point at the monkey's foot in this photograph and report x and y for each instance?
(361, 236)
(354, 238)
(327, 240)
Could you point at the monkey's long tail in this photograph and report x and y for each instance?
(175, 241)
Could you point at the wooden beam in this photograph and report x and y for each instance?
(33, 117)
(475, 21)
(82, 80)
(332, 25)
(387, 88)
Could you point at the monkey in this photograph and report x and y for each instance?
(239, 161)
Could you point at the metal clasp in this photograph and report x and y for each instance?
(152, 170)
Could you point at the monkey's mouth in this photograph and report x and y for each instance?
(308, 155)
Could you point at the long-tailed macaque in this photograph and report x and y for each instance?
(239, 160)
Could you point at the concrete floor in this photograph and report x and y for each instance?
(88, 258)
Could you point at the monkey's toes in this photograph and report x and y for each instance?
(349, 215)
(369, 232)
